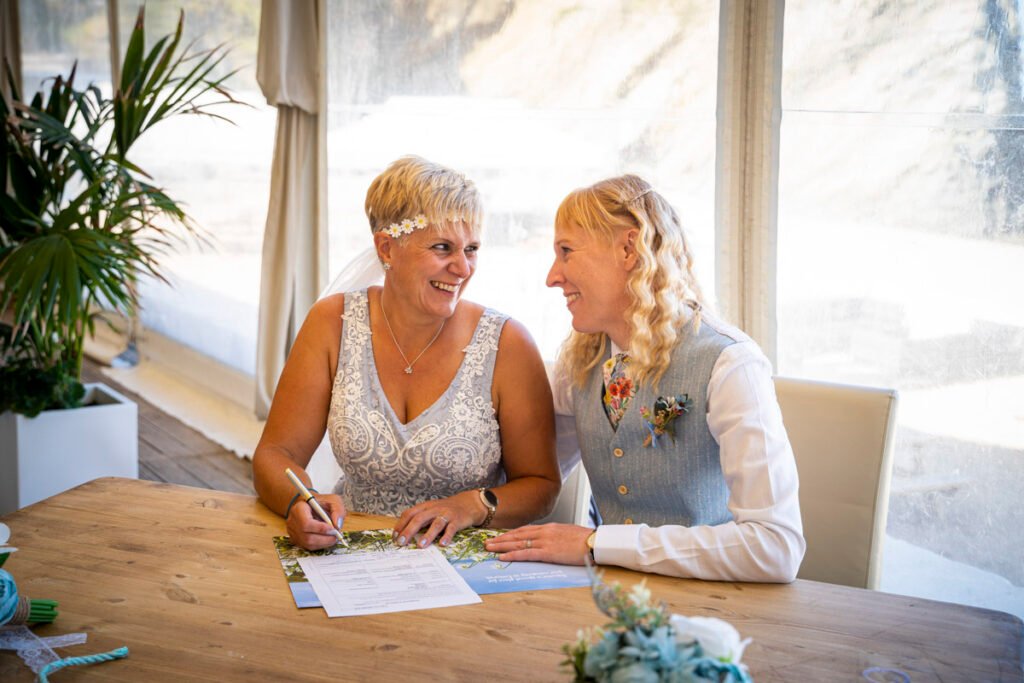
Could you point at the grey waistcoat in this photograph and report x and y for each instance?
(674, 482)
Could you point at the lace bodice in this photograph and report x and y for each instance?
(450, 447)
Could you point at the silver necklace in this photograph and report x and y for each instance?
(408, 365)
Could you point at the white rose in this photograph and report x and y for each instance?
(5, 535)
(718, 638)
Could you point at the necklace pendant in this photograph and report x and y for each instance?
(408, 366)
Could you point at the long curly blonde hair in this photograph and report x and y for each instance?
(662, 286)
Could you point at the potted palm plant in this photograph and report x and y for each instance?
(79, 222)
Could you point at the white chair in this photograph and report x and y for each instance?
(842, 438)
(573, 504)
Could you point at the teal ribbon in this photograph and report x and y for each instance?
(654, 434)
(119, 653)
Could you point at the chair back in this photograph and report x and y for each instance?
(842, 438)
(573, 504)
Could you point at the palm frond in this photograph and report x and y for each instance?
(80, 221)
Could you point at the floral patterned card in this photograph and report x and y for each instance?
(480, 568)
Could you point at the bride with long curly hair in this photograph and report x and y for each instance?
(678, 425)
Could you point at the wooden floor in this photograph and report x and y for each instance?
(171, 451)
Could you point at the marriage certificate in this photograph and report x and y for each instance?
(375, 582)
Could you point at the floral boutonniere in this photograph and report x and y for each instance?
(659, 421)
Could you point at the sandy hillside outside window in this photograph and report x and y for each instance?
(531, 99)
(901, 240)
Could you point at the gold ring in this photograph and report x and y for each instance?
(529, 543)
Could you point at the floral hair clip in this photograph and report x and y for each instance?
(406, 226)
(659, 421)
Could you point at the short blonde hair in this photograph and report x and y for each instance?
(662, 286)
(412, 185)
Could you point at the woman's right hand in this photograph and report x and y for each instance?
(307, 530)
(439, 519)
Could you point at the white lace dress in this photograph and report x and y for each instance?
(450, 447)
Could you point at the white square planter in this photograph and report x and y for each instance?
(60, 449)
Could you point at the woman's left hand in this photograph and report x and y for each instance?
(439, 519)
(555, 543)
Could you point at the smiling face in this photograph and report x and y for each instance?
(592, 274)
(430, 268)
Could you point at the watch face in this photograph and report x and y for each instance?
(492, 499)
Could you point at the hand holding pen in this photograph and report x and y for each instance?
(304, 528)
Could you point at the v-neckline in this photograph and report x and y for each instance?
(379, 386)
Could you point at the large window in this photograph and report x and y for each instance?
(222, 174)
(530, 99)
(901, 246)
(55, 34)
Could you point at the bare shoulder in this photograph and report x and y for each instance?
(323, 322)
(514, 335)
(332, 306)
(467, 317)
(519, 370)
(470, 310)
(517, 352)
(473, 312)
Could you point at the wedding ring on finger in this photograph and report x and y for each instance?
(446, 521)
(529, 543)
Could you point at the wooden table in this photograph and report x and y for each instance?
(188, 579)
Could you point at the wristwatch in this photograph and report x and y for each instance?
(490, 502)
(590, 545)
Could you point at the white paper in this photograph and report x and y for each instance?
(376, 582)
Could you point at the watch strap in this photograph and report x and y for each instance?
(491, 509)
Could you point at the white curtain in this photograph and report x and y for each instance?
(747, 166)
(10, 46)
(294, 270)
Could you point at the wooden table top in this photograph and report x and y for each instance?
(188, 579)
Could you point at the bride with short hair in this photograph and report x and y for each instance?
(438, 409)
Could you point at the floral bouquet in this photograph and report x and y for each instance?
(643, 643)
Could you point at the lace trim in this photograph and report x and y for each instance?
(460, 449)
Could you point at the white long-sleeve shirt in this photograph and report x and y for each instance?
(764, 541)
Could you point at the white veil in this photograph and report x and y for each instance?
(362, 271)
